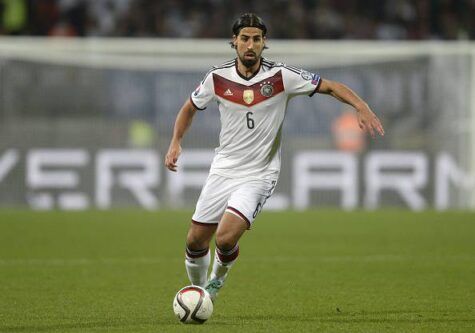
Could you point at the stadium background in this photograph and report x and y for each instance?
(92, 225)
(73, 109)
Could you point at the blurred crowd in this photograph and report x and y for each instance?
(303, 19)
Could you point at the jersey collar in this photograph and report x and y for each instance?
(253, 74)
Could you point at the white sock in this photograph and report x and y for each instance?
(223, 261)
(197, 264)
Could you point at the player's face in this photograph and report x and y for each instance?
(249, 45)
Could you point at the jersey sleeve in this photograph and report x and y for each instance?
(300, 82)
(204, 93)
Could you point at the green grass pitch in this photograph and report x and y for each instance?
(317, 271)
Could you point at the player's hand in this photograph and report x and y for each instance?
(369, 122)
(171, 158)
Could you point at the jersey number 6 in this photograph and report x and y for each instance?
(250, 121)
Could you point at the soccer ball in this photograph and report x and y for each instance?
(192, 305)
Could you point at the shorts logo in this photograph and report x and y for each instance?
(248, 96)
(267, 89)
(306, 75)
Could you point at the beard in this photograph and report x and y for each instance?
(249, 62)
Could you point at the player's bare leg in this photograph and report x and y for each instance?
(230, 230)
(197, 256)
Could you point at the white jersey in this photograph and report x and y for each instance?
(252, 113)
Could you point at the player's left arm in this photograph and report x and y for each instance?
(367, 120)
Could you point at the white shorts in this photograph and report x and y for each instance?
(242, 197)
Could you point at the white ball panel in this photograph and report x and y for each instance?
(190, 297)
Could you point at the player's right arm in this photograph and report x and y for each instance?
(182, 123)
(198, 100)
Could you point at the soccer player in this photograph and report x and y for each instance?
(252, 94)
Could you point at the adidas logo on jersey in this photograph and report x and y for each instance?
(228, 93)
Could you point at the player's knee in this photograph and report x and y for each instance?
(225, 241)
(196, 243)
